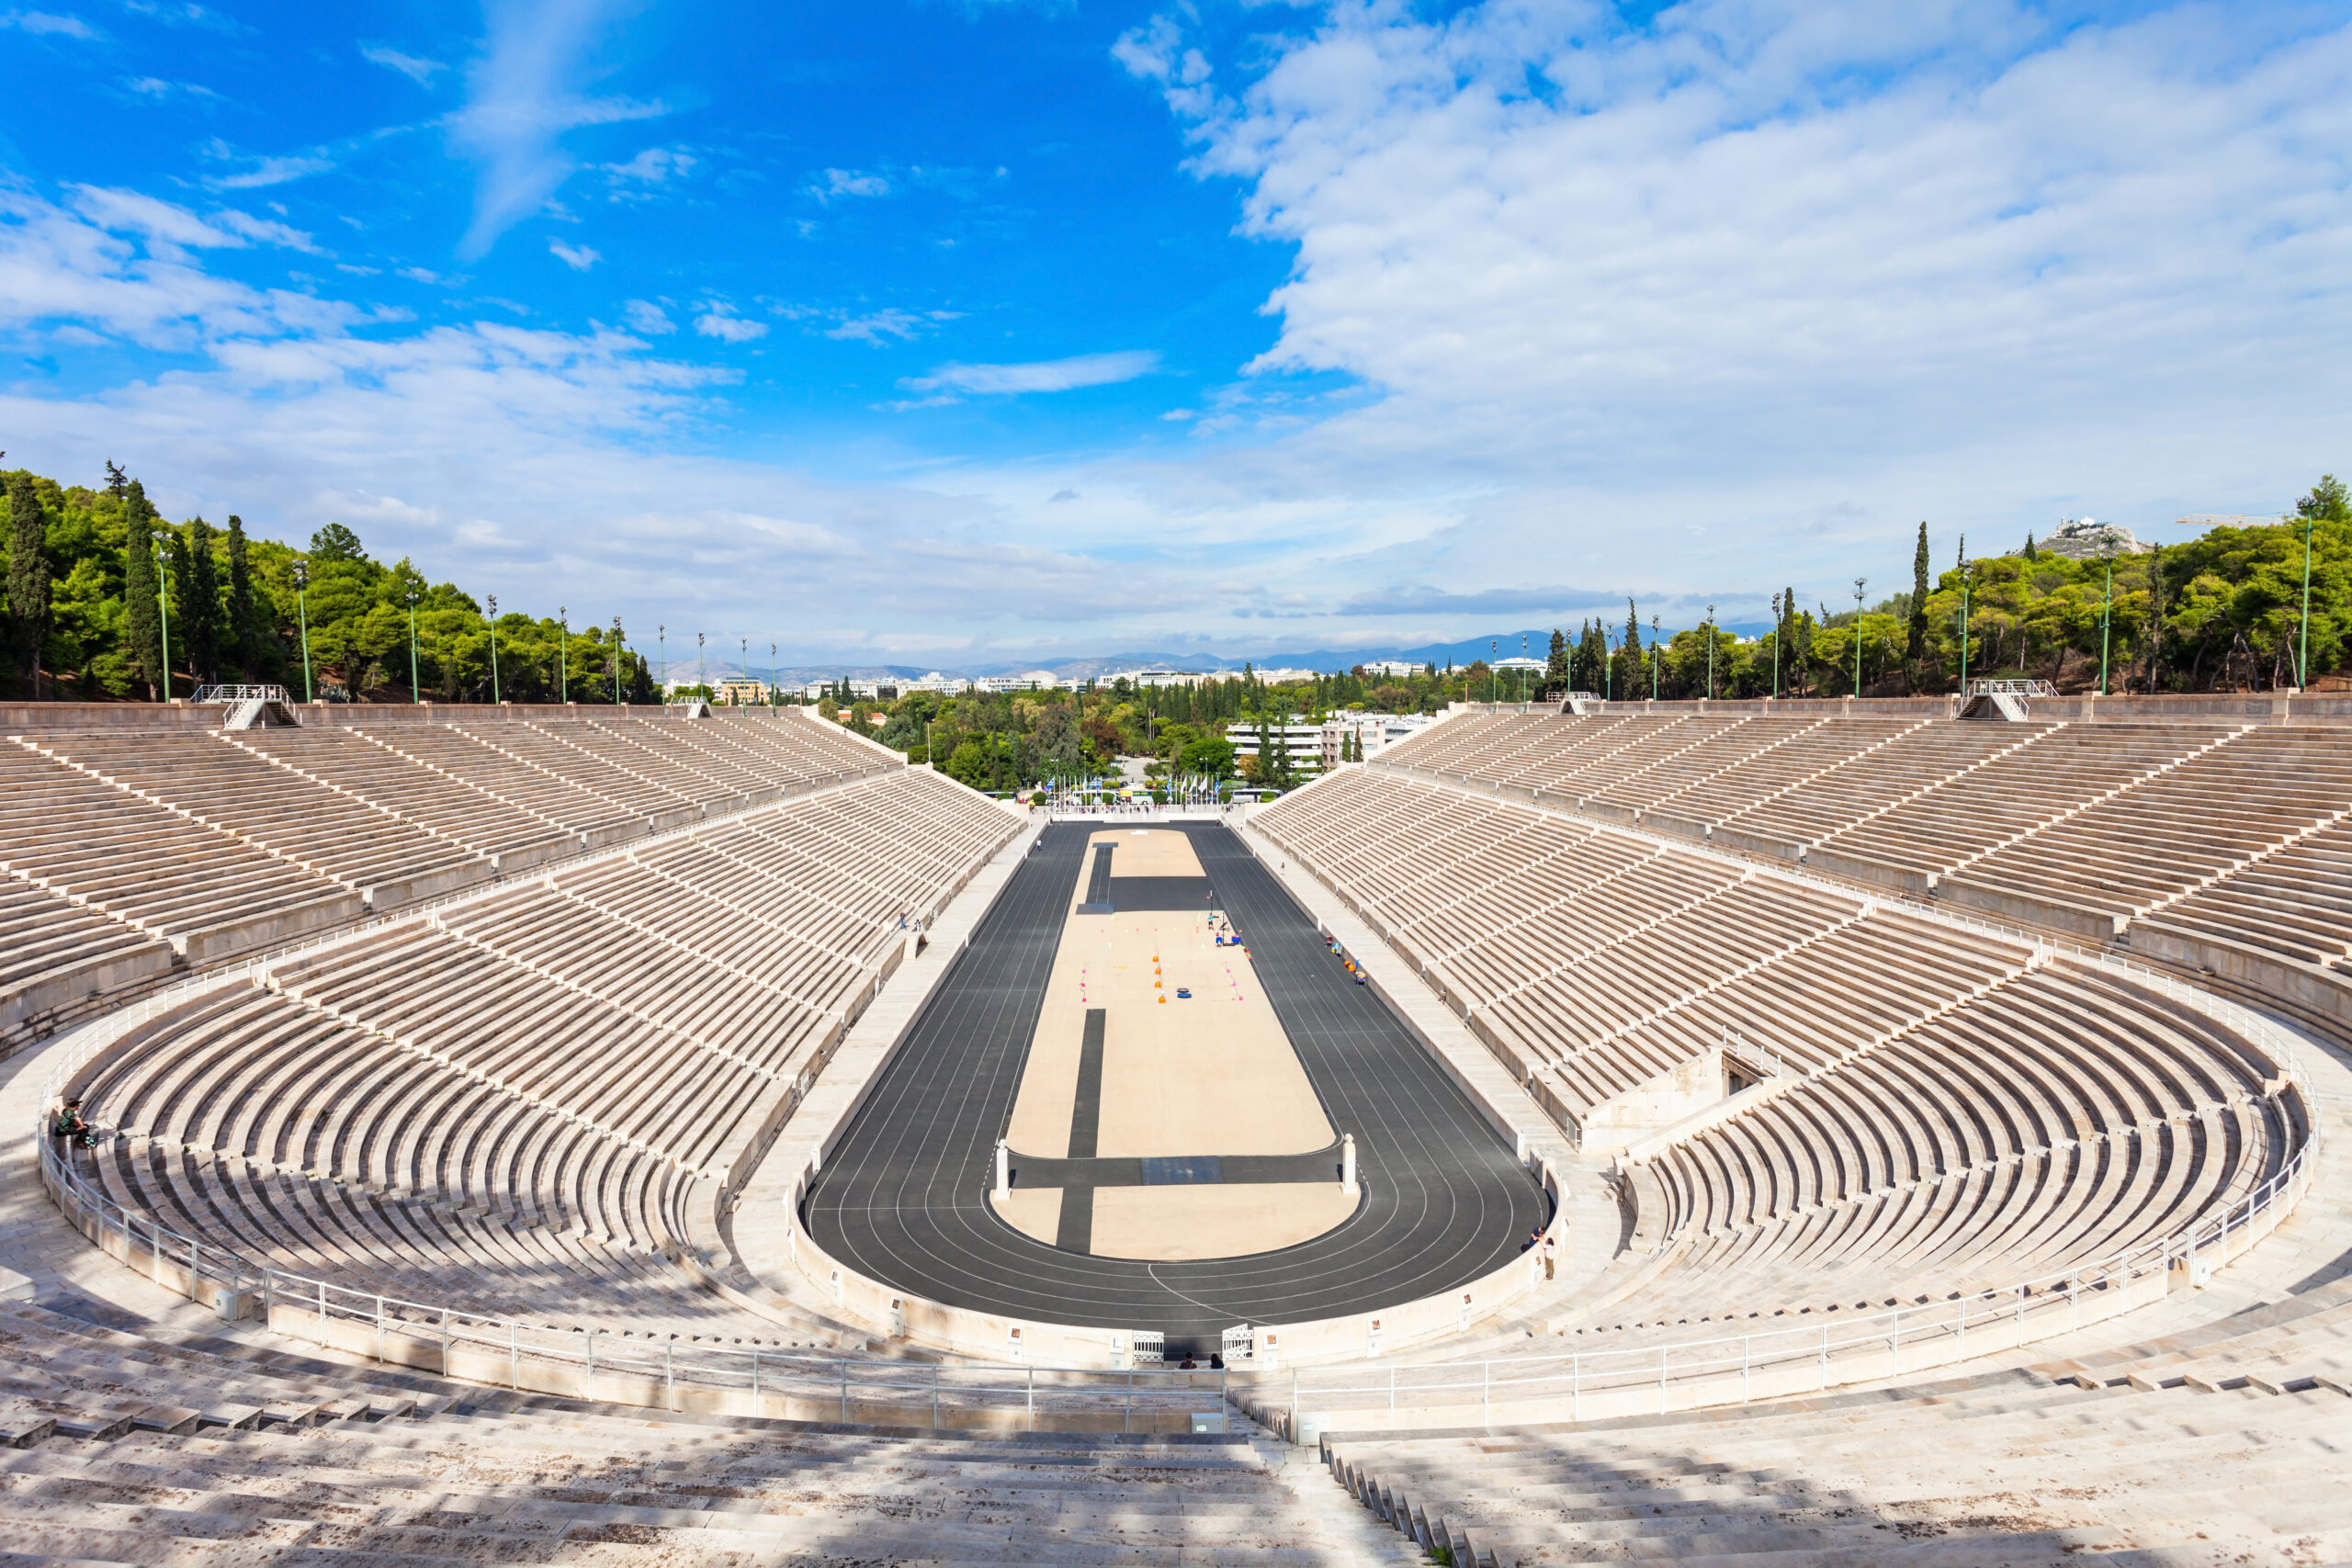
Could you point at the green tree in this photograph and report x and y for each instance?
(200, 600)
(336, 543)
(28, 580)
(247, 638)
(142, 618)
(1209, 754)
(1915, 643)
(1557, 676)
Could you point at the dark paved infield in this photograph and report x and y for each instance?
(904, 1198)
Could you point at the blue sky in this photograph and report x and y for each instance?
(959, 333)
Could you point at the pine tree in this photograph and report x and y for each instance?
(1915, 646)
(27, 581)
(200, 602)
(142, 631)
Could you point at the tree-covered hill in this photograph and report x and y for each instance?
(99, 584)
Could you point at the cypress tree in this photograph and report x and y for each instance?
(27, 581)
(1915, 646)
(142, 635)
(1633, 630)
(247, 640)
(1556, 668)
(1789, 625)
(200, 602)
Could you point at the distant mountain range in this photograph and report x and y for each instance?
(1537, 644)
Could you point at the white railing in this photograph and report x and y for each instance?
(586, 1363)
(2011, 689)
(239, 694)
(1680, 1373)
(624, 1368)
(1837, 1350)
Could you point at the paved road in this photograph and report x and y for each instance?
(904, 1198)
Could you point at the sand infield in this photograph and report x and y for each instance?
(1209, 1075)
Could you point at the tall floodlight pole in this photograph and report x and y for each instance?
(661, 646)
(414, 696)
(493, 648)
(1608, 670)
(772, 691)
(2303, 657)
(1858, 635)
(563, 654)
(743, 646)
(1711, 653)
(617, 661)
(1493, 646)
(701, 680)
(303, 609)
(1779, 635)
(1967, 577)
(163, 614)
(2106, 603)
(1653, 656)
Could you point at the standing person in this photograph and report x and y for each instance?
(1551, 1256)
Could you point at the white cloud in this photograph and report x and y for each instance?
(652, 167)
(418, 274)
(718, 320)
(1850, 264)
(161, 222)
(416, 68)
(525, 95)
(165, 226)
(849, 182)
(904, 325)
(265, 232)
(1686, 308)
(263, 170)
(1037, 376)
(48, 23)
(578, 258)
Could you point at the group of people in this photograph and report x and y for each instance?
(1344, 959)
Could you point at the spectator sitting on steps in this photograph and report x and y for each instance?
(71, 1130)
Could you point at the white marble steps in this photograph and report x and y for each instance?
(2002, 1473)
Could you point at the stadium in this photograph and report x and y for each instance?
(1817, 1130)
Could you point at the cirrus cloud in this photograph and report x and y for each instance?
(1037, 376)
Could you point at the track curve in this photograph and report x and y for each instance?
(904, 1196)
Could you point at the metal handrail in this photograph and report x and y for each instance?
(488, 1338)
(1988, 688)
(2206, 1241)
(2041, 1291)
(263, 694)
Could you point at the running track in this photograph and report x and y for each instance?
(904, 1196)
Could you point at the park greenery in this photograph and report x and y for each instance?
(98, 584)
